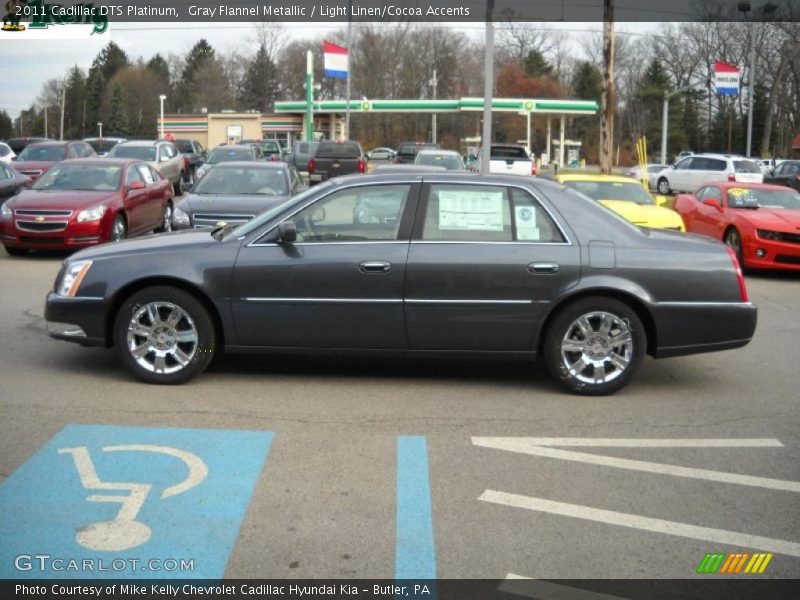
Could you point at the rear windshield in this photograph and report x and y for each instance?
(184, 146)
(745, 166)
(335, 150)
(411, 148)
(102, 145)
(220, 155)
(139, 152)
(448, 161)
(45, 153)
(508, 152)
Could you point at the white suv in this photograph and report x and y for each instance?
(689, 173)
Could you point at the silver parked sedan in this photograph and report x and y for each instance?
(412, 263)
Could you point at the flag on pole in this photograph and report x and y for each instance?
(336, 60)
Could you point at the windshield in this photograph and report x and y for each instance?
(612, 190)
(44, 153)
(448, 161)
(243, 180)
(90, 178)
(755, 198)
(5, 150)
(102, 145)
(221, 155)
(147, 153)
(265, 217)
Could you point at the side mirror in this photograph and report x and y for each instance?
(287, 232)
(136, 185)
(163, 159)
(713, 202)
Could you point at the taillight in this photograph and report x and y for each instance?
(533, 168)
(362, 166)
(274, 158)
(739, 276)
(185, 164)
(397, 160)
(797, 178)
(731, 177)
(312, 165)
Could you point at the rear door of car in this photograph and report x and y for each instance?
(705, 169)
(484, 262)
(340, 285)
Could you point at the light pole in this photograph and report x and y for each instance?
(766, 9)
(488, 89)
(434, 83)
(665, 120)
(161, 99)
(100, 127)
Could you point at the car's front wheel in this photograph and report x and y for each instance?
(734, 240)
(166, 219)
(663, 186)
(164, 335)
(595, 345)
(119, 229)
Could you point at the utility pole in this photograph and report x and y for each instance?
(63, 103)
(433, 116)
(310, 96)
(607, 100)
(349, 52)
(665, 120)
(45, 120)
(488, 89)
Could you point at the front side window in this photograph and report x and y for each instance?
(133, 176)
(4, 173)
(357, 214)
(686, 163)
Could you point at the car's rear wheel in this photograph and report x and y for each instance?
(119, 229)
(166, 220)
(164, 335)
(176, 187)
(595, 345)
(734, 240)
(16, 251)
(663, 186)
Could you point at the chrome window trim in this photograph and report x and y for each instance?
(708, 304)
(328, 300)
(525, 243)
(335, 243)
(567, 241)
(459, 301)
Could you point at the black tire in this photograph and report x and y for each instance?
(119, 228)
(12, 251)
(198, 353)
(662, 186)
(564, 365)
(176, 187)
(734, 241)
(166, 219)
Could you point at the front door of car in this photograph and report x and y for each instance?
(707, 218)
(135, 202)
(152, 210)
(680, 175)
(484, 262)
(340, 284)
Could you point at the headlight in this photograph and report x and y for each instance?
(180, 218)
(91, 214)
(5, 212)
(766, 234)
(73, 275)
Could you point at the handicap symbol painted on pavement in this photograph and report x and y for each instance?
(130, 501)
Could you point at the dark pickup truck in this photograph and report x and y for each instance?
(336, 158)
(194, 154)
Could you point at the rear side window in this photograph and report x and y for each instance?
(708, 164)
(339, 150)
(508, 152)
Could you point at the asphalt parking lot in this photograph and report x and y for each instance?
(700, 454)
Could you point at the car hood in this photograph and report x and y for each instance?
(230, 204)
(55, 200)
(165, 243)
(34, 165)
(772, 218)
(648, 215)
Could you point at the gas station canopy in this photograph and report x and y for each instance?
(550, 107)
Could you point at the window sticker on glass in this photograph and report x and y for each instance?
(526, 223)
(742, 198)
(470, 210)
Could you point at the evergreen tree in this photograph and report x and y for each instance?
(260, 85)
(75, 125)
(535, 65)
(159, 66)
(95, 88)
(118, 117)
(587, 83)
(200, 57)
(6, 126)
(110, 60)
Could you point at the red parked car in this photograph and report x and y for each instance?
(85, 202)
(760, 222)
(36, 159)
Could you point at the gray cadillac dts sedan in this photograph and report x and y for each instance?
(436, 263)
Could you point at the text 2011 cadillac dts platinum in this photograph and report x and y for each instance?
(434, 263)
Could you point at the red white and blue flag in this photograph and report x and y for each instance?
(336, 60)
(726, 78)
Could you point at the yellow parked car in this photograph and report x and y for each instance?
(625, 196)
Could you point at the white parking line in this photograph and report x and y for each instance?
(719, 536)
(534, 447)
(545, 590)
(641, 442)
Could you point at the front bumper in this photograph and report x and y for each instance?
(771, 254)
(80, 319)
(72, 237)
(694, 327)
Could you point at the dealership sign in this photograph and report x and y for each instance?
(726, 78)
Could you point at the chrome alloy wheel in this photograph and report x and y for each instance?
(166, 224)
(162, 337)
(597, 347)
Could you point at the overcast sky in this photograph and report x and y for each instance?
(28, 64)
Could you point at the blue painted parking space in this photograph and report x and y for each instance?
(102, 501)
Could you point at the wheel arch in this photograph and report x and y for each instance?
(632, 300)
(131, 288)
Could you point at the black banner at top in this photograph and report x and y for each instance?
(451, 11)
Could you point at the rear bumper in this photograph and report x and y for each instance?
(78, 319)
(694, 327)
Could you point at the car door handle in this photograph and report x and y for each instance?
(375, 266)
(543, 268)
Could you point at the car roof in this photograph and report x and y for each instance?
(748, 186)
(103, 161)
(438, 151)
(55, 143)
(596, 177)
(252, 164)
(233, 147)
(144, 142)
